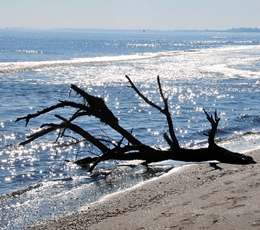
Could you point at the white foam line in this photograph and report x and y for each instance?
(140, 184)
(256, 149)
(11, 67)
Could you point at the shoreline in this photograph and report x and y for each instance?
(196, 196)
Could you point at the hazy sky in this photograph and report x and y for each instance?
(130, 14)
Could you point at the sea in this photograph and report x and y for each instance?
(197, 69)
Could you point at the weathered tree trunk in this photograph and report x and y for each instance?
(134, 149)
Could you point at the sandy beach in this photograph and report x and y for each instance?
(197, 196)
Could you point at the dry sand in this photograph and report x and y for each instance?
(189, 197)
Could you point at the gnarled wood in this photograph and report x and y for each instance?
(134, 149)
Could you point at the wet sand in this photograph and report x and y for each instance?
(197, 196)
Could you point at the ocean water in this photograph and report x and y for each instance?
(211, 70)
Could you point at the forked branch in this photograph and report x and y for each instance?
(173, 142)
(214, 125)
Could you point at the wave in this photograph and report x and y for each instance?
(19, 192)
(237, 139)
(237, 136)
(43, 185)
(13, 67)
(30, 51)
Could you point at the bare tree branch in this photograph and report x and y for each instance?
(135, 149)
(214, 125)
(175, 143)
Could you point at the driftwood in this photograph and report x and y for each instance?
(130, 148)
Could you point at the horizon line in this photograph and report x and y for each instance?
(143, 30)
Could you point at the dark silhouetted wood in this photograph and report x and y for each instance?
(133, 149)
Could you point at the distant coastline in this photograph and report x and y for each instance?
(233, 30)
(245, 30)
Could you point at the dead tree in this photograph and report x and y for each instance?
(130, 148)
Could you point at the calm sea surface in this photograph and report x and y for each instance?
(197, 69)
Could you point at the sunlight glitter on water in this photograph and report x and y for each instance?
(212, 78)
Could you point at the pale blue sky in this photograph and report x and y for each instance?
(130, 14)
